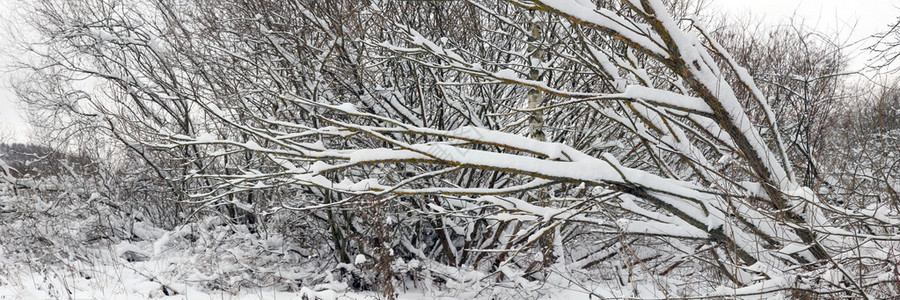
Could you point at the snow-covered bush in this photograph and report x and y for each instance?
(492, 148)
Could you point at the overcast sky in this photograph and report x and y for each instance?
(11, 124)
(854, 19)
(869, 15)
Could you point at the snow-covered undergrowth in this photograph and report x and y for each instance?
(63, 242)
(63, 245)
(71, 243)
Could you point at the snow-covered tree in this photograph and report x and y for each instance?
(544, 141)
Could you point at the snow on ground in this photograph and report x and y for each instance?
(51, 250)
(137, 280)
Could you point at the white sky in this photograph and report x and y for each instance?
(853, 19)
(12, 123)
(867, 15)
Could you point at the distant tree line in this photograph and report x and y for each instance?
(35, 161)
